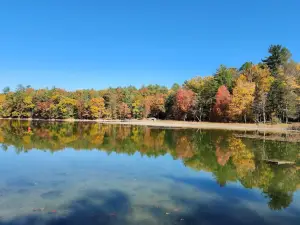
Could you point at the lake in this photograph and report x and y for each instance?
(62, 173)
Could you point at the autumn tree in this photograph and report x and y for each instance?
(138, 107)
(158, 105)
(185, 99)
(147, 106)
(2, 105)
(154, 105)
(111, 103)
(282, 98)
(291, 94)
(195, 84)
(242, 99)
(19, 104)
(205, 91)
(123, 111)
(263, 81)
(97, 108)
(221, 106)
(43, 110)
(64, 107)
(82, 106)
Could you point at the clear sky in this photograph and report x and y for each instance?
(78, 44)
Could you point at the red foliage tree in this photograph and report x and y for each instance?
(223, 99)
(185, 100)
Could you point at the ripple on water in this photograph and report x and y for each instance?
(23, 191)
(57, 183)
(3, 191)
(20, 182)
(51, 194)
(63, 174)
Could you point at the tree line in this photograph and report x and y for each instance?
(267, 91)
(225, 155)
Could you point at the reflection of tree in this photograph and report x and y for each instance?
(153, 141)
(222, 153)
(123, 132)
(281, 188)
(228, 158)
(184, 148)
(261, 177)
(242, 158)
(279, 200)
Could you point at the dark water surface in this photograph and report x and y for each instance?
(87, 173)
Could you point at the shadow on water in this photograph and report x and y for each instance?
(277, 200)
(94, 207)
(115, 207)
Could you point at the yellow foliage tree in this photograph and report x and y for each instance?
(195, 84)
(263, 81)
(242, 100)
(97, 107)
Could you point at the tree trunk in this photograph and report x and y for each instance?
(286, 114)
(264, 108)
(184, 118)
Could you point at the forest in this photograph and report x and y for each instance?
(265, 92)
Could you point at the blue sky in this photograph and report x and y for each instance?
(95, 44)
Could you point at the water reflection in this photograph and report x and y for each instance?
(230, 158)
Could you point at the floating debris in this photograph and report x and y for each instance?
(53, 212)
(167, 213)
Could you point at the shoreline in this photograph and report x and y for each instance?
(278, 128)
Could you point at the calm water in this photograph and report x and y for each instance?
(86, 173)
